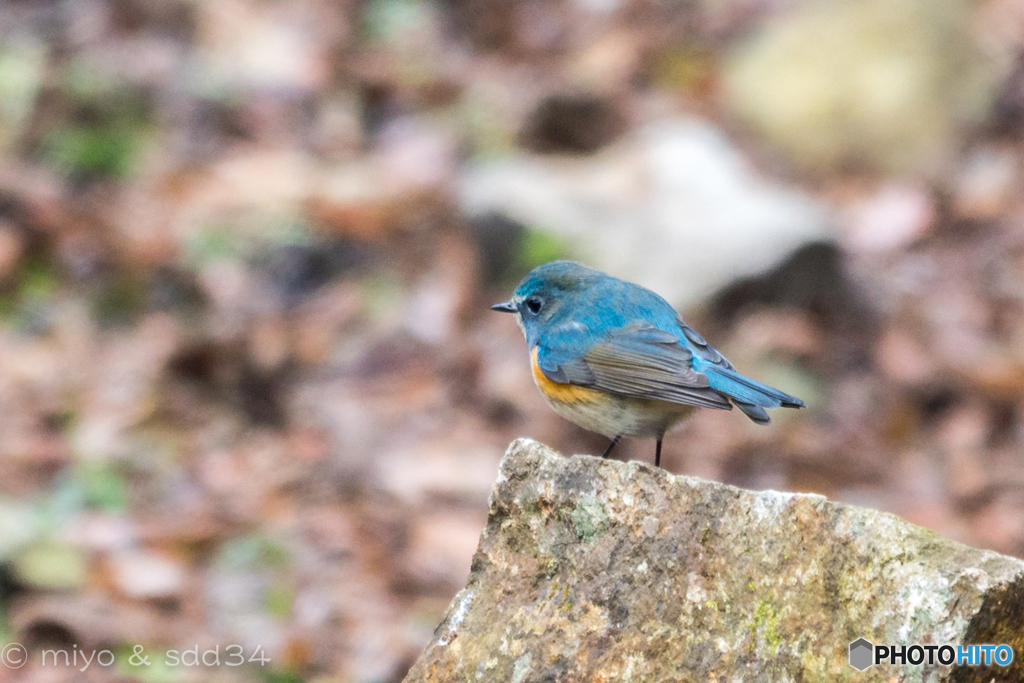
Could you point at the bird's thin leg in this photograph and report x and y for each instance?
(657, 454)
(608, 450)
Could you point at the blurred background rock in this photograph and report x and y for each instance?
(251, 393)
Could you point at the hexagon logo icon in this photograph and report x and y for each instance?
(862, 654)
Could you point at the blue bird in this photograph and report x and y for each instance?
(617, 359)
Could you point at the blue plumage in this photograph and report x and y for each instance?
(622, 341)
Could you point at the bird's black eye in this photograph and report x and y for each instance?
(534, 304)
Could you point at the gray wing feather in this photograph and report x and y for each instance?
(645, 363)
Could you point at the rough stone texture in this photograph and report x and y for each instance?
(593, 570)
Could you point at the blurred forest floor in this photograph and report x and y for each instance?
(250, 389)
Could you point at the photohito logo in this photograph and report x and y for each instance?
(861, 654)
(865, 654)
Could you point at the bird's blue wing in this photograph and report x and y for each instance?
(643, 362)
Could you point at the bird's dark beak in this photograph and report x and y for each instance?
(505, 307)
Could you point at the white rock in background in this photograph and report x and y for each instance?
(147, 574)
(889, 219)
(17, 525)
(675, 206)
(252, 45)
(102, 531)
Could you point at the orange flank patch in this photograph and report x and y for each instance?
(562, 393)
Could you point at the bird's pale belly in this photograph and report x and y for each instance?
(610, 414)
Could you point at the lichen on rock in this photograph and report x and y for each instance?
(598, 570)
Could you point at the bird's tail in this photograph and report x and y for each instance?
(750, 396)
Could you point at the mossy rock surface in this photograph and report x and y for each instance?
(595, 570)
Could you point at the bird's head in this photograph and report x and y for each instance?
(545, 292)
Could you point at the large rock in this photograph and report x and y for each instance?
(595, 570)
